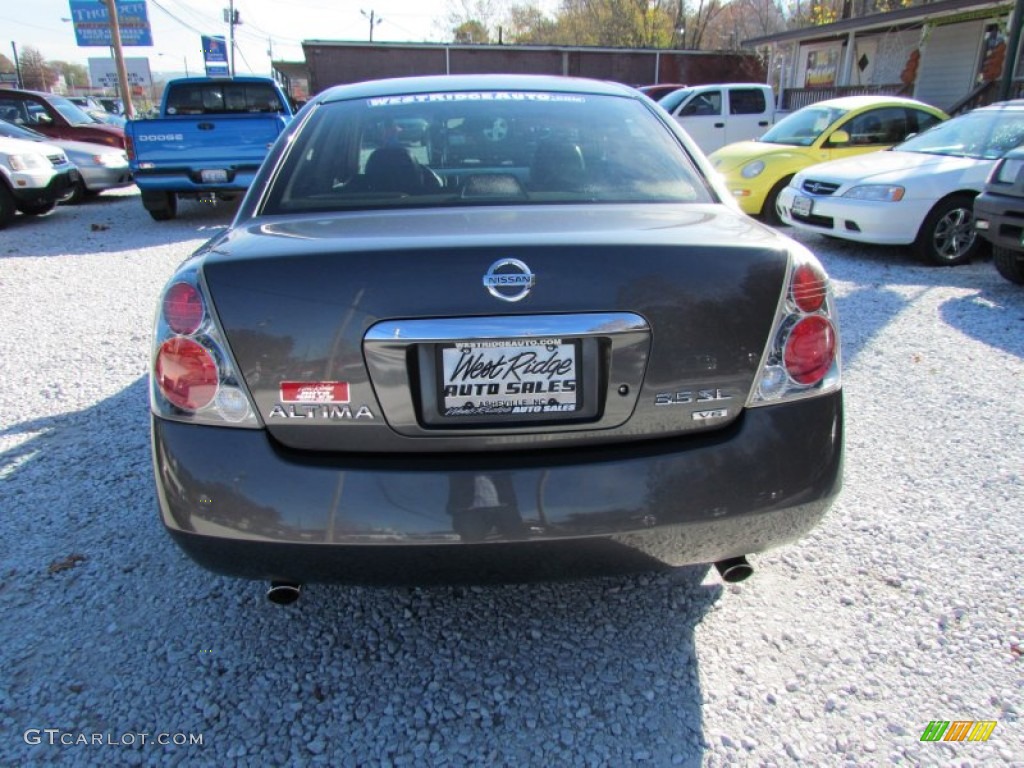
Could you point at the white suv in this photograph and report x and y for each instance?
(33, 177)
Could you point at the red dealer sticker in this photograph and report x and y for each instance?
(314, 392)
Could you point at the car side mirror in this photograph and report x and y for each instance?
(838, 138)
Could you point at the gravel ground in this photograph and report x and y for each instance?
(902, 608)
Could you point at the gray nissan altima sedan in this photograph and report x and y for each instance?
(491, 328)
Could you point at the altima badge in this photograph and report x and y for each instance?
(509, 280)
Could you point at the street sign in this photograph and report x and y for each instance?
(215, 56)
(92, 22)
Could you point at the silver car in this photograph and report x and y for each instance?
(491, 327)
(100, 167)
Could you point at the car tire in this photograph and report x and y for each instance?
(162, 206)
(1009, 264)
(77, 194)
(948, 238)
(7, 206)
(37, 209)
(769, 212)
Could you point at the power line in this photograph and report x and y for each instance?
(247, 64)
(175, 18)
(26, 24)
(195, 13)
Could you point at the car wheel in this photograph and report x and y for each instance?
(37, 209)
(947, 237)
(769, 211)
(77, 193)
(162, 206)
(1009, 264)
(7, 207)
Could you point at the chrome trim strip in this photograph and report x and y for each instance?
(506, 326)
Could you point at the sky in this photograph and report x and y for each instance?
(277, 24)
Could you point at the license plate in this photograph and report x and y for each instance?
(802, 206)
(509, 377)
(213, 176)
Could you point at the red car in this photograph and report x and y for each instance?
(56, 117)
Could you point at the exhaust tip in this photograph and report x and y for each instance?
(734, 570)
(283, 592)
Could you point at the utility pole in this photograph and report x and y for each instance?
(374, 20)
(231, 29)
(122, 71)
(231, 17)
(17, 64)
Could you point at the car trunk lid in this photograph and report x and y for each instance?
(344, 327)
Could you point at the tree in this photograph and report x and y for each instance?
(471, 32)
(479, 14)
(696, 23)
(6, 65)
(741, 20)
(625, 23)
(75, 75)
(36, 74)
(618, 23)
(529, 25)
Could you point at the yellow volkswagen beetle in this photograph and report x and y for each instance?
(756, 171)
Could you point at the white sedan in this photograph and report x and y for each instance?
(920, 193)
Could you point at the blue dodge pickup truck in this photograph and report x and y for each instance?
(209, 141)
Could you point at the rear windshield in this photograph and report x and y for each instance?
(220, 98)
(483, 148)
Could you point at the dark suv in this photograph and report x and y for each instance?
(56, 117)
(999, 215)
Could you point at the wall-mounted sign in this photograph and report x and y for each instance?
(822, 67)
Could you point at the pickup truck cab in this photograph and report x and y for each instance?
(208, 142)
(716, 115)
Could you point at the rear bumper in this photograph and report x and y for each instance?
(1004, 216)
(239, 504)
(99, 178)
(189, 181)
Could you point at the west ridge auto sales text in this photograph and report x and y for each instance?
(510, 388)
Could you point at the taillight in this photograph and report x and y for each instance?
(186, 373)
(129, 147)
(802, 359)
(809, 286)
(193, 376)
(810, 350)
(183, 308)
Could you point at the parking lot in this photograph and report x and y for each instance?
(902, 608)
